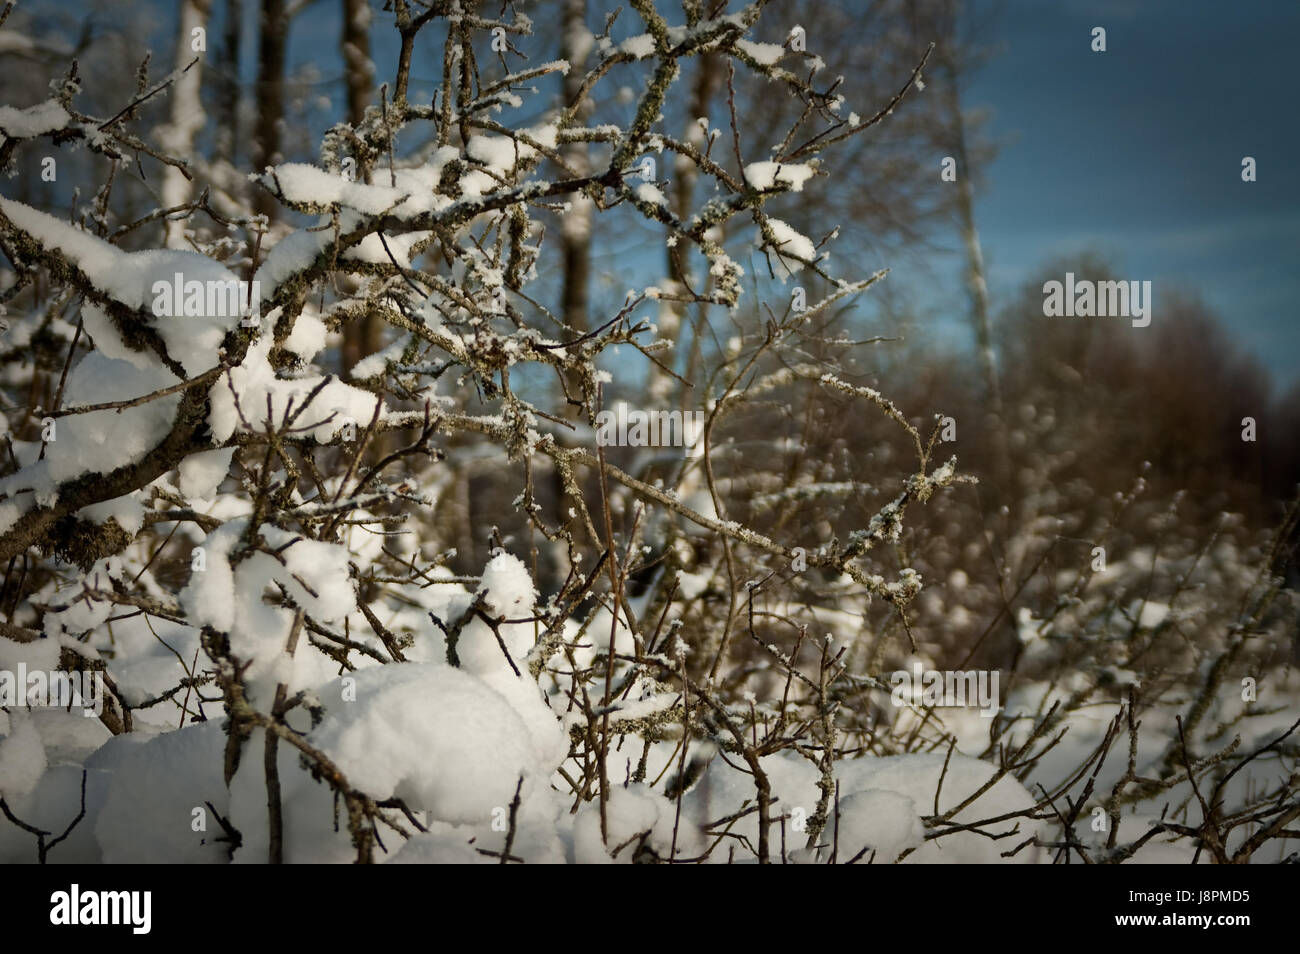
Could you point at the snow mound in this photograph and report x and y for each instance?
(640, 825)
(883, 820)
(157, 793)
(880, 821)
(101, 441)
(436, 737)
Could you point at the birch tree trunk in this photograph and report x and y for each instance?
(575, 227)
(186, 117)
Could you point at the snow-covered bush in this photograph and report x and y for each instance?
(416, 611)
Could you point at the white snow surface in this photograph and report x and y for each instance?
(44, 117)
(254, 380)
(792, 248)
(764, 54)
(129, 279)
(202, 473)
(883, 821)
(768, 174)
(101, 441)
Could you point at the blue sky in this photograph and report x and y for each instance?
(1136, 152)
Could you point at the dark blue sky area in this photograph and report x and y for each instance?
(1136, 153)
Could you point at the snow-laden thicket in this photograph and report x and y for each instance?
(669, 658)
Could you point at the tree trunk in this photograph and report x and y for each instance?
(228, 84)
(575, 227)
(186, 116)
(708, 76)
(272, 42)
(363, 336)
